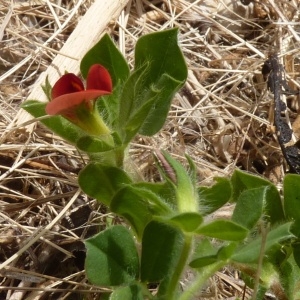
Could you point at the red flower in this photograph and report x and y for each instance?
(72, 101)
(68, 92)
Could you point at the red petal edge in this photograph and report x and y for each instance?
(69, 101)
(98, 78)
(68, 83)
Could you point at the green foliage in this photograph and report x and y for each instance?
(183, 184)
(214, 197)
(290, 277)
(188, 221)
(172, 223)
(57, 124)
(112, 251)
(140, 99)
(269, 197)
(138, 205)
(161, 249)
(92, 144)
(223, 229)
(167, 70)
(291, 191)
(148, 92)
(243, 181)
(251, 251)
(102, 182)
(249, 200)
(130, 292)
(206, 254)
(106, 54)
(47, 89)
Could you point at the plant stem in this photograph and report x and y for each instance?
(170, 286)
(146, 292)
(264, 233)
(201, 279)
(113, 157)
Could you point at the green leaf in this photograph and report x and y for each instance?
(129, 98)
(291, 193)
(279, 253)
(249, 207)
(131, 292)
(164, 190)
(109, 107)
(205, 246)
(205, 254)
(223, 230)
(142, 105)
(160, 70)
(162, 51)
(243, 180)
(102, 182)
(136, 120)
(93, 144)
(250, 252)
(295, 228)
(57, 124)
(290, 278)
(188, 222)
(112, 258)
(138, 206)
(296, 253)
(203, 261)
(212, 198)
(272, 204)
(161, 95)
(107, 54)
(226, 251)
(162, 245)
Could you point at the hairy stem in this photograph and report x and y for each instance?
(168, 289)
(200, 280)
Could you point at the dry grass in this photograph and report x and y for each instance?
(222, 118)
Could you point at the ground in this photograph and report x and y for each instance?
(222, 118)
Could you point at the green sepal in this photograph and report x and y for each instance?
(47, 88)
(176, 175)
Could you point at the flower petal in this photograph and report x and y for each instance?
(98, 78)
(68, 83)
(68, 101)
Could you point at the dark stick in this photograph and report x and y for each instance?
(274, 72)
